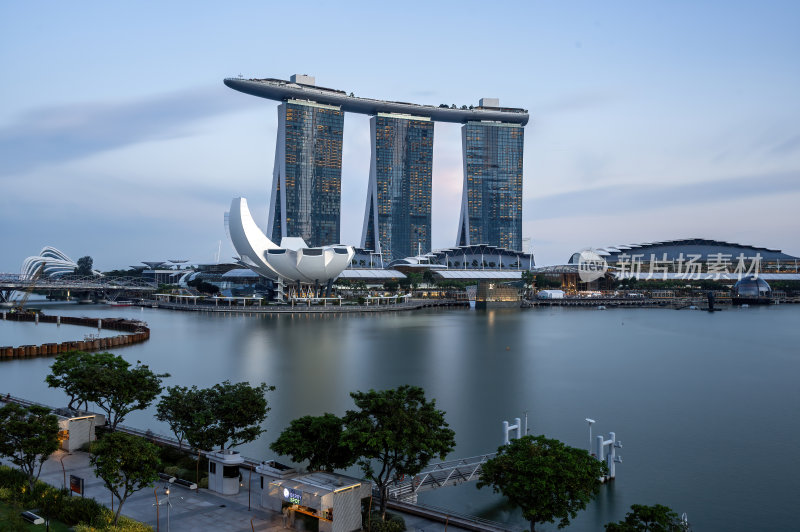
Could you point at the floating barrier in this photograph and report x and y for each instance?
(137, 332)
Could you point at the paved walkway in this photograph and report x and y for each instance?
(191, 509)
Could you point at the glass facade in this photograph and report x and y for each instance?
(398, 213)
(307, 188)
(491, 208)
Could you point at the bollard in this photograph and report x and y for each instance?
(58, 321)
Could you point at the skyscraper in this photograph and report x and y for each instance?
(307, 177)
(306, 188)
(397, 219)
(491, 203)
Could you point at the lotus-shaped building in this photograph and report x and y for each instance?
(290, 261)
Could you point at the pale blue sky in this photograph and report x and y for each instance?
(649, 120)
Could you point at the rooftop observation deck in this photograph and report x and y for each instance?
(281, 90)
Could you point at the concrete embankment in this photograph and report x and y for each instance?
(137, 332)
(303, 309)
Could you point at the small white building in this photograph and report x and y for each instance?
(75, 431)
(333, 499)
(223, 471)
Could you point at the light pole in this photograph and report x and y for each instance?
(590, 422)
(169, 506)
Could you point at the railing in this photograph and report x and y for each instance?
(447, 516)
(439, 475)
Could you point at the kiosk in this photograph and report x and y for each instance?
(333, 499)
(223, 471)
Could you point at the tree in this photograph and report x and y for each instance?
(106, 380)
(176, 408)
(411, 280)
(528, 278)
(317, 439)
(656, 518)
(391, 286)
(117, 389)
(545, 478)
(398, 429)
(226, 414)
(28, 435)
(84, 266)
(70, 372)
(126, 464)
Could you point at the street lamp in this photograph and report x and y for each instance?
(590, 422)
(169, 506)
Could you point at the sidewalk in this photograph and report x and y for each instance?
(191, 509)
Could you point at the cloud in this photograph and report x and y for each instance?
(62, 133)
(637, 198)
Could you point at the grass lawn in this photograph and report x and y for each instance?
(9, 521)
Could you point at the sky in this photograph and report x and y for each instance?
(649, 120)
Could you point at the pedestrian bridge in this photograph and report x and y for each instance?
(439, 475)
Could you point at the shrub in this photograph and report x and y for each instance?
(393, 523)
(57, 504)
(172, 470)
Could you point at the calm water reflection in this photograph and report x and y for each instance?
(705, 404)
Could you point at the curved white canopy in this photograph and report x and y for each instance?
(292, 261)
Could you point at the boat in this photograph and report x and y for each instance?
(601, 307)
(121, 303)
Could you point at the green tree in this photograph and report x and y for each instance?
(391, 286)
(70, 372)
(176, 408)
(528, 278)
(106, 380)
(656, 518)
(126, 464)
(545, 478)
(28, 435)
(117, 389)
(84, 266)
(399, 430)
(411, 280)
(226, 414)
(317, 439)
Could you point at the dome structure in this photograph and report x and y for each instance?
(752, 289)
(51, 261)
(292, 260)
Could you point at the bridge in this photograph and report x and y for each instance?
(439, 475)
(108, 286)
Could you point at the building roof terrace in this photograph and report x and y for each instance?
(282, 90)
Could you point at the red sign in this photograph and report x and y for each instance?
(76, 484)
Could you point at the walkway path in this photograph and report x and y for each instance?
(191, 509)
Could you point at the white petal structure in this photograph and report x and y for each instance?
(292, 260)
(52, 261)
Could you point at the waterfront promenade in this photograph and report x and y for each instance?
(413, 304)
(202, 509)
